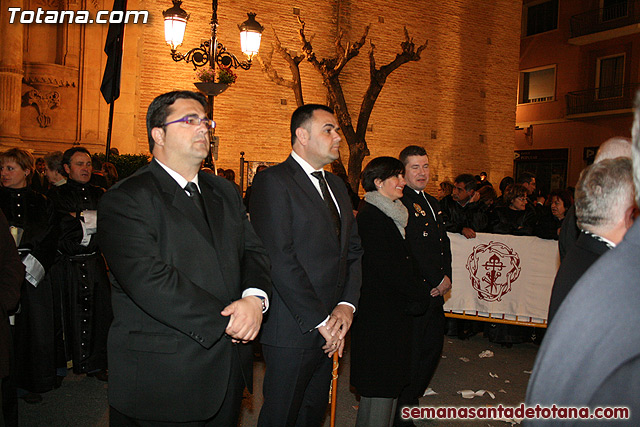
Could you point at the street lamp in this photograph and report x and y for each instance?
(175, 23)
(211, 51)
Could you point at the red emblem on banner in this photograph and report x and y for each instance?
(492, 269)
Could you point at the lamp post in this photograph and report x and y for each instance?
(211, 51)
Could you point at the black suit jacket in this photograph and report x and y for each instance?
(586, 250)
(590, 355)
(312, 270)
(427, 238)
(169, 359)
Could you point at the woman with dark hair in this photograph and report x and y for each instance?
(110, 173)
(550, 222)
(514, 217)
(32, 223)
(391, 294)
(505, 183)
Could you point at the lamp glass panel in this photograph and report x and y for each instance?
(250, 42)
(174, 28)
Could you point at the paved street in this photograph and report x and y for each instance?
(82, 401)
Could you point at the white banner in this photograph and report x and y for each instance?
(502, 276)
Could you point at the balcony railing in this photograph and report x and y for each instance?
(616, 16)
(602, 99)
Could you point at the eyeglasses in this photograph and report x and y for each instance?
(195, 121)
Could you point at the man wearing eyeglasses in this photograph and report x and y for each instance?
(192, 280)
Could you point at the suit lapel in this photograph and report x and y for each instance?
(213, 202)
(177, 197)
(303, 180)
(213, 207)
(343, 203)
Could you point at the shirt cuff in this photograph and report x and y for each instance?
(86, 237)
(255, 292)
(324, 322)
(353, 307)
(34, 271)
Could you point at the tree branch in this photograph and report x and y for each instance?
(271, 72)
(294, 66)
(378, 77)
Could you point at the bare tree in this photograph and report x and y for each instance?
(329, 69)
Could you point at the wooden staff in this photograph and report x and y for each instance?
(333, 390)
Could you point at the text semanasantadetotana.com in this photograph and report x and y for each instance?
(41, 16)
(518, 412)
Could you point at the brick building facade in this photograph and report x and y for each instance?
(457, 100)
(579, 72)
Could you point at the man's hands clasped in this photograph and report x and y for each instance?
(336, 329)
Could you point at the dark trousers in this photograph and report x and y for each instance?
(296, 387)
(426, 351)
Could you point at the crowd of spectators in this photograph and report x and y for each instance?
(473, 206)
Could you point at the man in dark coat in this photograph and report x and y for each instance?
(430, 246)
(460, 214)
(610, 149)
(80, 271)
(605, 210)
(39, 181)
(11, 278)
(191, 280)
(590, 355)
(304, 217)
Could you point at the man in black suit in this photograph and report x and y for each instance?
(590, 355)
(192, 280)
(430, 246)
(605, 210)
(305, 220)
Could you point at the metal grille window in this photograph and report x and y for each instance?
(614, 9)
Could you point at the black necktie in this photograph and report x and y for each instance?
(194, 194)
(328, 200)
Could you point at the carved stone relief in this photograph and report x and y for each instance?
(44, 79)
(44, 102)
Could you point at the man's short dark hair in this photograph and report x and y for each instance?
(411, 150)
(525, 178)
(66, 157)
(506, 181)
(468, 180)
(54, 162)
(301, 117)
(380, 168)
(159, 109)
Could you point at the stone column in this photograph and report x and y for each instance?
(11, 73)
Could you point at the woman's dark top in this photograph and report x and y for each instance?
(505, 220)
